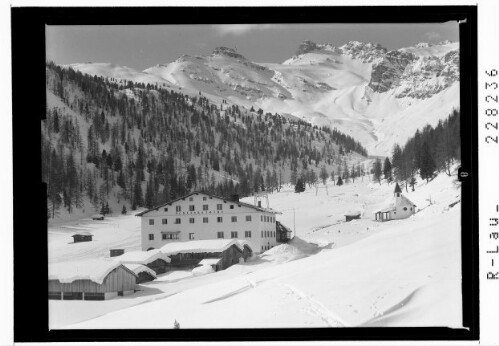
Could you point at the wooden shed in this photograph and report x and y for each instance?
(225, 252)
(90, 280)
(153, 259)
(79, 237)
(352, 215)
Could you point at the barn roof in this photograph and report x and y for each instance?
(225, 199)
(141, 257)
(198, 246)
(95, 270)
(139, 268)
(82, 233)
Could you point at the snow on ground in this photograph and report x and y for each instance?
(360, 273)
(114, 232)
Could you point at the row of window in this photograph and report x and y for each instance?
(264, 218)
(234, 234)
(175, 236)
(206, 207)
(266, 247)
(268, 234)
(192, 220)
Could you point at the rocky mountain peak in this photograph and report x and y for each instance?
(306, 47)
(226, 51)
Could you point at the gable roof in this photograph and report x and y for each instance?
(391, 203)
(201, 246)
(141, 257)
(95, 270)
(156, 208)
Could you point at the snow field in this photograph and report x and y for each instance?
(333, 274)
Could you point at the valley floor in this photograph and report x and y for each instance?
(333, 273)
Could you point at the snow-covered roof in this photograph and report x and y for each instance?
(209, 261)
(82, 233)
(267, 210)
(139, 268)
(196, 246)
(94, 270)
(141, 257)
(391, 203)
(352, 213)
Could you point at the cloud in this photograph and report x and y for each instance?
(432, 36)
(241, 29)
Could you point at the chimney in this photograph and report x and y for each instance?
(235, 198)
(116, 252)
(259, 204)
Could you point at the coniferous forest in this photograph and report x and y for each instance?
(432, 150)
(144, 145)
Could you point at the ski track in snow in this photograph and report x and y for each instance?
(314, 307)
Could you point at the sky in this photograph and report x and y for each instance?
(142, 46)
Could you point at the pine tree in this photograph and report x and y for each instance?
(428, 167)
(340, 181)
(123, 210)
(300, 186)
(377, 170)
(387, 170)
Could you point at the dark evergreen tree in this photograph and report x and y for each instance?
(387, 170)
(123, 210)
(428, 167)
(300, 186)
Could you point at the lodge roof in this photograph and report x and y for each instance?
(267, 210)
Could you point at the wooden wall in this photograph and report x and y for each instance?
(120, 279)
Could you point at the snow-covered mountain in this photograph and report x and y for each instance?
(377, 96)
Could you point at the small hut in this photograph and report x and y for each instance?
(82, 236)
(154, 259)
(144, 274)
(352, 215)
(218, 253)
(90, 280)
(397, 207)
(283, 233)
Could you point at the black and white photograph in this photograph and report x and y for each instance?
(271, 175)
(281, 174)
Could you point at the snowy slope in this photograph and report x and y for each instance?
(361, 273)
(377, 96)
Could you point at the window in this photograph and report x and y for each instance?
(233, 218)
(219, 206)
(405, 208)
(191, 220)
(191, 208)
(205, 206)
(205, 220)
(219, 219)
(233, 234)
(178, 208)
(165, 209)
(248, 217)
(247, 234)
(191, 199)
(261, 218)
(232, 206)
(177, 221)
(191, 236)
(262, 234)
(151, 221)
(151, 236)
(164, 221)
(166, 236)
(411, 208)
(220, 235)
(204, 198)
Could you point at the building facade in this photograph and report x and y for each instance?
(400, 208)
(200, 216)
